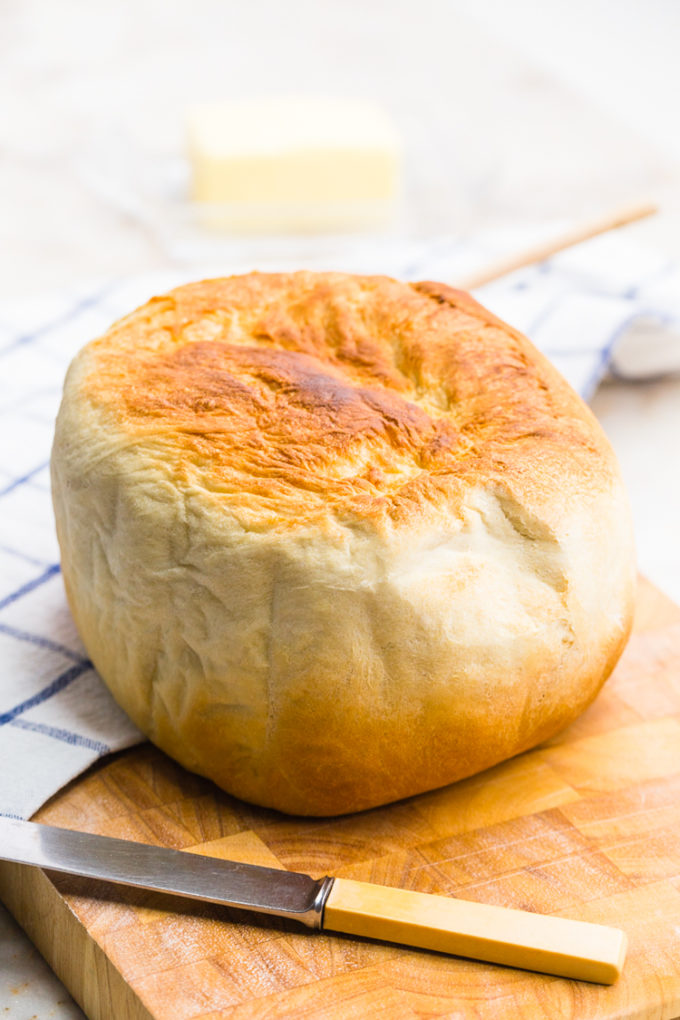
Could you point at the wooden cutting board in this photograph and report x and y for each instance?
(587, 826)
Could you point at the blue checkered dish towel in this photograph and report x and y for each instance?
(605, 307)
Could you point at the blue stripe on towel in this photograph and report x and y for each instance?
(62, 681)
(82, 305)
(22, 556)
(30, 586)
(42, 642)
(66, 736)
(24, 478)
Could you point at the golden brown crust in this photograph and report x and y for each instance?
(361, 394)
(334, 540)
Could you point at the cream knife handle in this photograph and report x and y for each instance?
(518, 938)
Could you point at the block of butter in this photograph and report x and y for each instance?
(293, 164)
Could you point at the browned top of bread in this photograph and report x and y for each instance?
(302, 394)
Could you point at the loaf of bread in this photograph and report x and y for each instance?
(335, 540)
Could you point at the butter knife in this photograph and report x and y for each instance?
(516, 938)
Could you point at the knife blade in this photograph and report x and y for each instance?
(552, 945)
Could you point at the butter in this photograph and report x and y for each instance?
(293, 163)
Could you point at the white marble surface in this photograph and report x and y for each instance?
(511, 113)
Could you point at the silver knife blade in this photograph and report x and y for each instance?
(553, 945)
(182, 873)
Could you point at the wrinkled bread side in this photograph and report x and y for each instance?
(332, 541)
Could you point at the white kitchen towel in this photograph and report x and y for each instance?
(604, 307)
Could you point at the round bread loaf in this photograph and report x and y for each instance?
(335, 540)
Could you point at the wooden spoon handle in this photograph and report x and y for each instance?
(621, 218)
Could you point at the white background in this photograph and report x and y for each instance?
(512, 113)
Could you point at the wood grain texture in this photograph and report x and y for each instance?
(586, 826)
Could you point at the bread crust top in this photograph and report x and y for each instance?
(311, 396)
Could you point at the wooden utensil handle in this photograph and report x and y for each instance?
(620, 218)
(517, 938)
